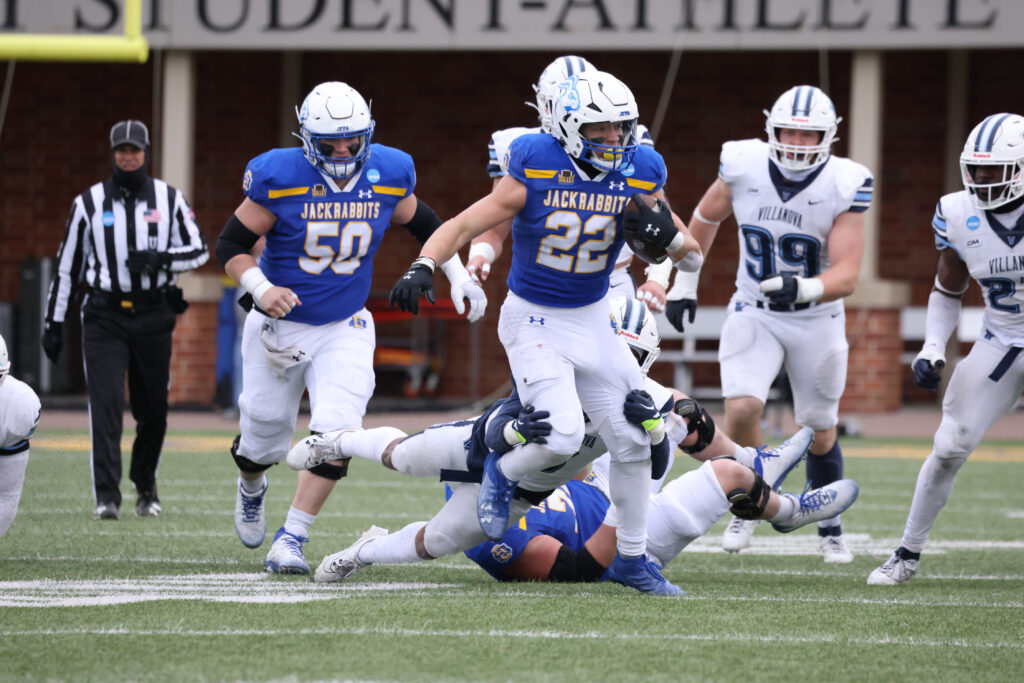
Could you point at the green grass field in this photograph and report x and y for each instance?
(179, 598)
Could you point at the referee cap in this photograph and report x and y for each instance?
(132, 132)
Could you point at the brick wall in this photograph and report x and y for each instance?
(441, 108)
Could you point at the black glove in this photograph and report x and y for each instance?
(786, 295)
(676, 310)
(531, 426)
(53, 340)
(639, 409)
(419, 279)
(149, 261)
(926, 375)
(648, 224)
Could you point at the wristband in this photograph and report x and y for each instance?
(810, 289)
(426, 261)
(690, 263)
(256, 283)
(512, 437)
(697, 214)
(482, 249)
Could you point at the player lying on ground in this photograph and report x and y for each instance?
(456, 450)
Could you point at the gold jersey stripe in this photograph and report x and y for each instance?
(522, 522)
(539, 173)
(287, 192)
(384, 189)
(642, 184)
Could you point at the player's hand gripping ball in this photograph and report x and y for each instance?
(648, 227)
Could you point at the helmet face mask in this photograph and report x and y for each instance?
(992, 162)
(334, 116)
(596, 97)
(546, 88)
(632, 321)
(802, 107)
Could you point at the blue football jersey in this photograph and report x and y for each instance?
(326, 235)
(566, 238)
(572, 513)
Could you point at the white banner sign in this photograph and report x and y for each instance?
(551, 25)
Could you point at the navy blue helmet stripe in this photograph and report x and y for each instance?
(988, 132)
(802, 100)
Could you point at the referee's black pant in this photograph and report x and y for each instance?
(136, 340)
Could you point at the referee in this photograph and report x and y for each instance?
(126, 240)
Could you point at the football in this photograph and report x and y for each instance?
(651, 253)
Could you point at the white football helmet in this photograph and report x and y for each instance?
(5, 360)
(997, 141)
(632, 320)
(334, 111)
(547, 85)
(802, 107)
(595, 97)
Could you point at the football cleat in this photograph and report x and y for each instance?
(342, 565)
(285, 556)
(773, 464)
(834, 550)
(494, 499)
(738, 534)
(642, 574)
(895, 571)
(815, 505)
(250, 522)
(314, 450)
(105, 511)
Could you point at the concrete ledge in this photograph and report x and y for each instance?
(880, 294)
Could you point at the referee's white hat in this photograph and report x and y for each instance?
(132, 132)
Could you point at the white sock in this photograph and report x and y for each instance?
(788, 508)
(254, 486)
(531, 457)
(298, 522)
(630, 486)
(12, 478)
(934, 487)
(745, 455)
(368, 444)
(396, 548)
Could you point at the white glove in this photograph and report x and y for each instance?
(463, 287)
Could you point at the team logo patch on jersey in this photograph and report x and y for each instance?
(357, 322)
(973, 243)
(319, 190)
(973, 223)
(501, 553)
(564, 176)
(373, 175)
(108, 218)
(247, 180)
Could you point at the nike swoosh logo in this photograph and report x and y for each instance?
(812, 202)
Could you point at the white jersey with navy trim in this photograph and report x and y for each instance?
(994, 256)
(784, 227)
(19, 413)
(566, 238)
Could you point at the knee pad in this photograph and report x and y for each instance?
(329, 471)
(954, 440)
(750, 504)
(697, 420)
(244, 463)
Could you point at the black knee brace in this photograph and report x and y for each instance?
(697, 420)
(750, 504)
(329, 471)
(244, 463)
(572, 566)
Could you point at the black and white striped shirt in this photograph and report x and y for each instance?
(103, 227)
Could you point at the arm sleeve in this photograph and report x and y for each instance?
(71, 261)
(188, 247)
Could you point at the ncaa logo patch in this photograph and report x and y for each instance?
(373, 175)
(108, 218)
(628, 171)
(973, 223)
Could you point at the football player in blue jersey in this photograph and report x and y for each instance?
(565, 191)
(324, 208)
(485, 249)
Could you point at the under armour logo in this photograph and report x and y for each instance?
(616, 186)
(539, 321)
(365, 194)
(651, 230)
